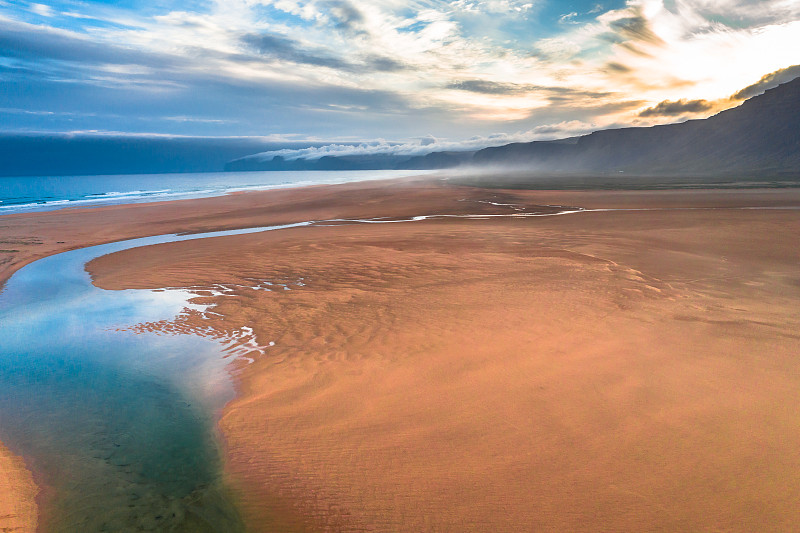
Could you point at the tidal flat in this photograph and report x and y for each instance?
(629, 365)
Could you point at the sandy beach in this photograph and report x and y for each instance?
(625, 370)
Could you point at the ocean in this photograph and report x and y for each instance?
(45, 193)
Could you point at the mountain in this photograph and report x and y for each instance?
(760, 136)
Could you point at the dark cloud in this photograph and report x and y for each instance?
(491, 87)
(768, 82)
(636, 28)
(679, 107)
(33, 43)
(500, 88)
(385, 64)
(283, 48)
(346, 16)
(617, 67)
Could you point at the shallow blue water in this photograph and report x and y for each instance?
(119, 424)
(35, 193)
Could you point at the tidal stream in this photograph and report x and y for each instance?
(117, 426)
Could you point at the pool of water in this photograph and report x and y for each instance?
(118, 426)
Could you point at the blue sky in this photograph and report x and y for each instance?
(463, 72)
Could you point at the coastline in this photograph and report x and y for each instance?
(26, 237)
(348, 391)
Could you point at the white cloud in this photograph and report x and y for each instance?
(568, 18)
(41, 9)
(492, 6)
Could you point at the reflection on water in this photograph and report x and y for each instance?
(118, 424)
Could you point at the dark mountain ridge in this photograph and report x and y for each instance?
(761, 135)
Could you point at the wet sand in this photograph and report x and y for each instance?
(619, 370)
(18, 493)
(599, 371)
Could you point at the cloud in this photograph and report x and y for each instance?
(346, 16)
(39, 43)
(492, 87)
(506, 88)
(768, 81)
(617, 67)
(385, 64)
(679, 107)
(41, 9)
(636, 28)
(358, 69)
(568, 18)
(493, 6)
(283, 48)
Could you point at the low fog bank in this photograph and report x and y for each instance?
(500, 177)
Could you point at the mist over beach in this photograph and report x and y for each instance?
(350, 266)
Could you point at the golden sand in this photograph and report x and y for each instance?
(602, 371)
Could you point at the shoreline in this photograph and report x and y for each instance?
(19, 246)
(90, 226)
(119, 196)
(339, 201)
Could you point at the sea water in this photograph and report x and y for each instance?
(118, 426)
(40, 193)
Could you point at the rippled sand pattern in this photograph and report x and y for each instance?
(602, 371)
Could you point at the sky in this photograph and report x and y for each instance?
(423, 73)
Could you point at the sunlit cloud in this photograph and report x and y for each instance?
(392, 69)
